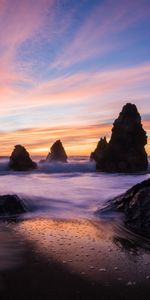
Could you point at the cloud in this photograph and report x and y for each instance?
(83, 96)
(97, 34)
(79, 87)
(22, 20)
(18, 23)
(78, 140)
(31, 20)
(42, 69)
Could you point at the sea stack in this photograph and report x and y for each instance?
(101, 146)
(125, 151)
(20, 160)
(57, 153)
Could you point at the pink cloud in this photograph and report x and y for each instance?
(89, 85)
(18, 23)
(99, 88)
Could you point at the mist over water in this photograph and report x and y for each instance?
(69, 190)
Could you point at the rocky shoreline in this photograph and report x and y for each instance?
(135, 206)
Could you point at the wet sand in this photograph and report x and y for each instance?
(74, 259)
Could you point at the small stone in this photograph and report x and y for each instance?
(83, 273)
(131, 283)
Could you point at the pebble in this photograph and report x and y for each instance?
(131, 283)
(91, 267)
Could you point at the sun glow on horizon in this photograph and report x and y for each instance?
(76, 140)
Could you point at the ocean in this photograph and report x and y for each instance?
(72, 190)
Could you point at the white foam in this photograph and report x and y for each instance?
(70, 167)
(65, 190)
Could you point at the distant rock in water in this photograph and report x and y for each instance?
(11, 205)
(20, 160)
(125, 151)
(135, 204)
(101, 146)
(57, 153)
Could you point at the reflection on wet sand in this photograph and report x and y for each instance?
(10, 248)
(92, 249)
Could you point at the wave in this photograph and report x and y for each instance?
(81, 166)
(4, 165)
(75, 165)
(70, 167)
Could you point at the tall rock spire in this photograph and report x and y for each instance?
(125, 152)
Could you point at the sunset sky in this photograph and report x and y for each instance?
(66, 69)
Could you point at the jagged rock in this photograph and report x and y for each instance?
(101, 146)
(11, 205)
(135, 204)
(125, 152)
(57, 153)
(20, 160)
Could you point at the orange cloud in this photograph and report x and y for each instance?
(78, 140)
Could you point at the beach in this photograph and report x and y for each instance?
(78, 259)
(61, 248)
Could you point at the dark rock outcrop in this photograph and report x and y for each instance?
(20, 160)
(101, 147)
(135, 204)
(57, 153)
(11, 205)
(125, 151)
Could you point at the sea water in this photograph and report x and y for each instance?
(71, 190)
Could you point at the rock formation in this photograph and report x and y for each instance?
(101, 146)
(20, 160)
(57, 153)
(11, 205)
(125, 151)
(135, 204)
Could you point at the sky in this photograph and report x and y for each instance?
(66, 69)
